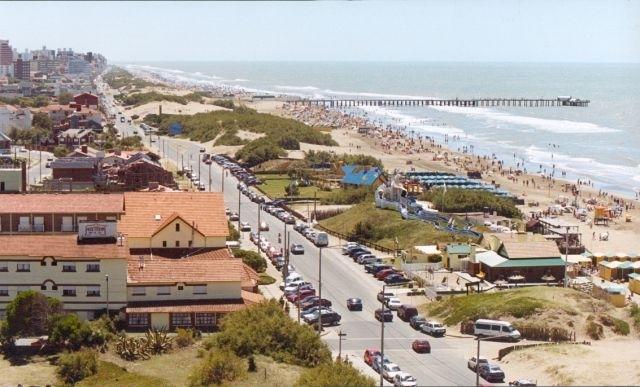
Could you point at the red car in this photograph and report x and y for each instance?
(294, 297)
(383, 273)
(421, 346)
(369, 355)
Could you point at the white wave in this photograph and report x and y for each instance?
(241, 80)
(411, 122)
(549, 125)
(376, 95)
(302, 88)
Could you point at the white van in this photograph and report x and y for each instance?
(495, 328)
(321, 240)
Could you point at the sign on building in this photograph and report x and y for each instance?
(91, 230)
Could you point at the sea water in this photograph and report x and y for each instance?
(600, 143)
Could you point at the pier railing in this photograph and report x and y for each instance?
(473, 102)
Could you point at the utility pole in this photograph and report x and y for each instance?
(320, 290)
(259, 227)
(209, 175)
(382, 337)
(477, 363)
(285, 269)
(223, 179)
(106, 277)
(315, 202)
(40, 166)
(298, 291)
(239, 193)
(566, 256)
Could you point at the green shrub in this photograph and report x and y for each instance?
(320, 157)
(225, 103)
(252, 259)
(595, 330)
(184, 337)
(157, 341)
(30, 313)
(634, 313)
(265, 329)
(76, 366)
(337, 373)
(68, 331)
(349, 196)
(218, 367)
(260, 150)
(60, 151)
(266, 279)
(251, 364)
(618, 326)
(460, 200)
(234, 234)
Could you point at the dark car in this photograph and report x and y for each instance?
(421, 346)
(354, 304)
(382, 274)
(383, 314)
(406, 312)
(417, 321)
(359, 251)
(315, 301)
(491, 373)
(396, 279)
(376, 267)
(329, 317)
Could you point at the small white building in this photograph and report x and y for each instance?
(13, 117)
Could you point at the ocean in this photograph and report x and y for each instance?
(600, 142)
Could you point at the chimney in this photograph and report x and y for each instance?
(84, 149)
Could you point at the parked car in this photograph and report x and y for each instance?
(493, 328)
(369, 355)
(393, 303)
(234, 217)
(329, 317)
(264, 226)
(349, 245)
(394, 279)
(382, 274)
(354, 304)
(471, 363)
(404, 379)
(321, 239)
(377, 362)
(421, 346)
(315, 301)
(379, 267)
(293, 297)
(383, 314)
(524, 383)
(389, 371)
(297, 249)
(433, 328)
(383, 297)
(308, 313)
(245, 226)
(406, 312)
(361, 259)
(417, 321)
(491, 373)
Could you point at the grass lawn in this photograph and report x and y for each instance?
(38, 371)
(110, 374)
(276, 375)
(387, 225)
(274, 185)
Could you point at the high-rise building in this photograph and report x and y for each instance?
(22, 69)
(6, 53)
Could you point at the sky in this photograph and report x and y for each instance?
(464, 30)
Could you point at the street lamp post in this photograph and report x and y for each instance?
(106, 277)
(223, 179)
(239, 195)
(209, 175)
(566, 256)
(479, 339)
(382, 336)
(259, 227)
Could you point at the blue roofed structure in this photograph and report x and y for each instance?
(357, 175)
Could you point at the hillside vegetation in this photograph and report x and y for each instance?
(137, 99)
(120, 78)
(366, 222)
(557, 312)
(460, 200)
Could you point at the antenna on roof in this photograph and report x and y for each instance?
(140, 262)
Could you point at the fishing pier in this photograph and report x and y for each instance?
(475, 102)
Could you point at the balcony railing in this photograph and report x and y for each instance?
(38, 227)
(67, 228)
(24, 228)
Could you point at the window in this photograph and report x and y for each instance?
(93, 267)
(69, 267)
(24, 267)
(190, 243)
(4, 291)
(177, 243)
(180, 319)
(69, 291)
(93, 291)
(495, 328)
(177, 227)
(163, 290)
(199, 289)
(138, 319)
(139, 291)
(4, 267)
(483, 326)
(208, 319)
(164, 243)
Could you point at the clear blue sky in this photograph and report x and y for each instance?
(469, 30)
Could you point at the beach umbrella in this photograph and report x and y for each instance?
(516, 277)
(500, 282)
(548, 278)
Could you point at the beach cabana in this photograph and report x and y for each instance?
(606, 269)
(634, 283)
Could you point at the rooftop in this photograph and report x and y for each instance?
(146, 212)
(62, 203)
(195, 306)
(537, 249)
(58, 246)
(173, 266)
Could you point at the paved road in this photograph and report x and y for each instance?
(341, 279)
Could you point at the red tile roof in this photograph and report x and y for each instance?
(172, 266)
(204, 209)
(195, 306)
(62, 203)
(58, 246)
